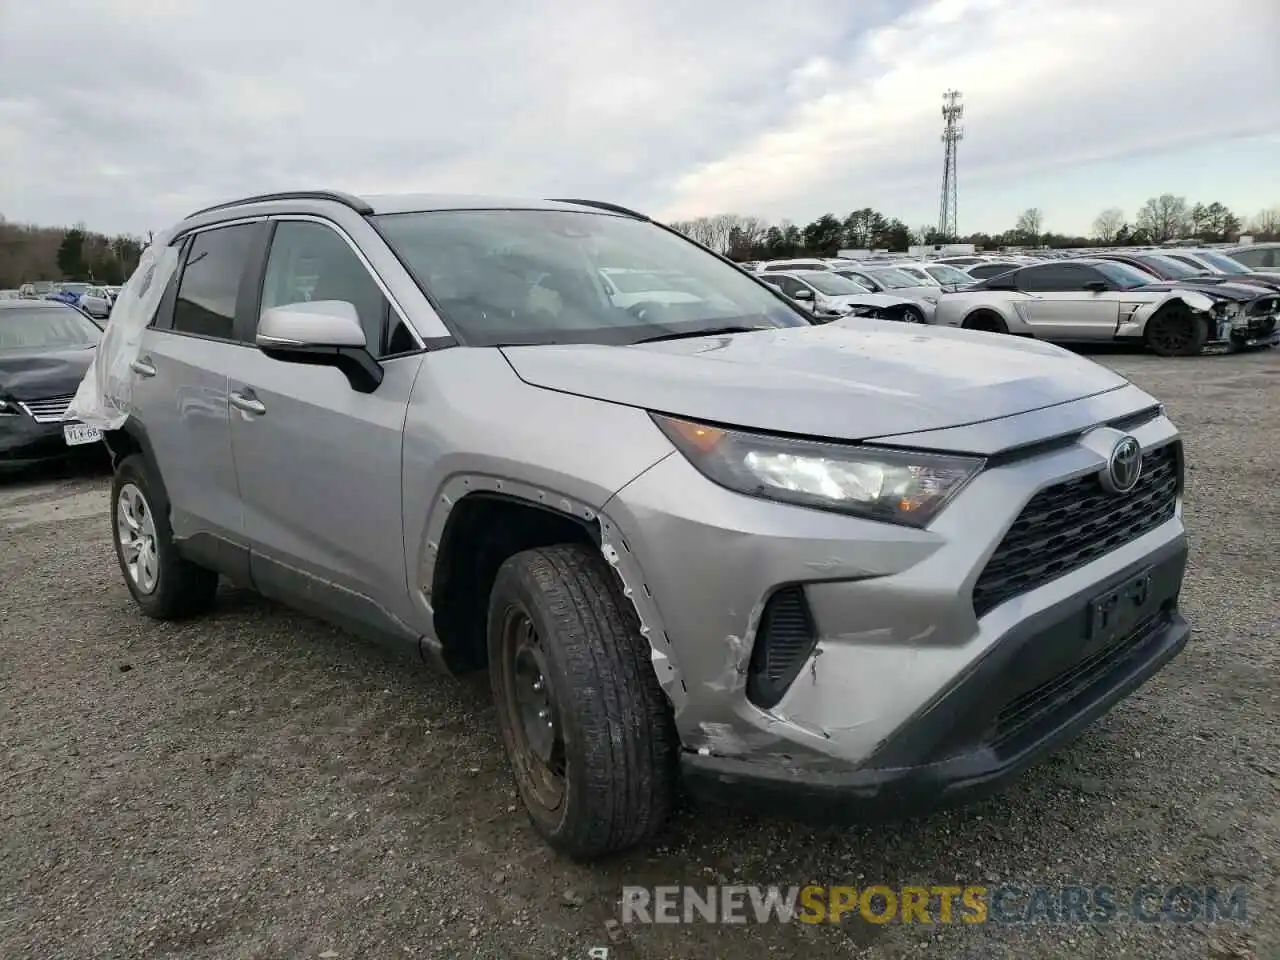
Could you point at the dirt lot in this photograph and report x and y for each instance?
(258, 785)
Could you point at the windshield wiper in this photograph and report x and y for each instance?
(711, 332)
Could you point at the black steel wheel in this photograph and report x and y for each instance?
(1176, 332)
(588, 731)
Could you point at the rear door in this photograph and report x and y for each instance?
(181, 391)
(1061, 308)
(318, 463)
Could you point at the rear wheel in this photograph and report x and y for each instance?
(987, 320)
(163, 583)
(1176, 332)
(587, 729)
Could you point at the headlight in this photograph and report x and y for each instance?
(874, 482)
(932, 301)
(8, 408)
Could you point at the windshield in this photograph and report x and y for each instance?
(945, 274)
(1123, 275)
(46, 328)
(894, 279)
(534, 276)
(831, 284)
(1222, 262)
(1169, 266)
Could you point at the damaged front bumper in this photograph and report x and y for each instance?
(1039, 686)
(900, 692)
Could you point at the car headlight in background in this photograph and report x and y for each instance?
(877, 483)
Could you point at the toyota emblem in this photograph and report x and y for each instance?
(1124, 466)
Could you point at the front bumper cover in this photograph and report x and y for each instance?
(954, 751)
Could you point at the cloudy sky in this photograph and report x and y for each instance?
(127, 114)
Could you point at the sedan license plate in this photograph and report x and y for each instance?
(1116, 614)
(78, 433)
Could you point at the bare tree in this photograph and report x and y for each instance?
(1267, 221)
(1029, 223)
(1165, 217)
(1108, 225)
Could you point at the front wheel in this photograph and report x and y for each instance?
(587, 729)
(163, 583)
(1176, 332)
(912, 315)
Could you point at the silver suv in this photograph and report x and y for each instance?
(842, 569)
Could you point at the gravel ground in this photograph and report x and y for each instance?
(257, 785)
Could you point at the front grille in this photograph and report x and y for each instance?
(1023, 713)
(1073, 523)
(49, 410)
(784, 641)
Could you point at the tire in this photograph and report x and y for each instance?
(602, 777)
(165, 585)
(1176, 332)
(912, 315)
(986, 320)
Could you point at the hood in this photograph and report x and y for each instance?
(847, 380)
(916, 293)
(1227, 292)
(870, 300)
(38, 374)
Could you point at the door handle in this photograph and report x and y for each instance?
(247, 402)
(143, 367)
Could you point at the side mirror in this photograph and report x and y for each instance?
(803, 294)
(1096, 286)
(322, 333)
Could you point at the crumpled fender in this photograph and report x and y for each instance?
(1195, 300)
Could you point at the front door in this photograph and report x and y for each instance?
(318, 463)
(1074, 315)
(182, 380)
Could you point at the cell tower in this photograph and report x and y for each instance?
(952, 134)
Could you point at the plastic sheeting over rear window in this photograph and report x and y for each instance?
(105, 394)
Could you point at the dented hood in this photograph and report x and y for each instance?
(847, 380)
(39, 374)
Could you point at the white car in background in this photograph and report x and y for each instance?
(97, 301)
(628, 287)
(895, 283)
(831, 296)
(773, 266)
(947, 278)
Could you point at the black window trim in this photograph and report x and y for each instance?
(1039, 268)
(163, 321)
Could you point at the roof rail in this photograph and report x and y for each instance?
(602, 205)
(346, 199)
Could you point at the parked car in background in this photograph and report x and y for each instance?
(830, 295)
(811, 264)
(1096, 300)
(36, 289)
(1213, 262)
(947, 276)
(1163, 267)
(68, 292)
(45, 349)
(685, 541)
(1256, 256)
(990, 268)
(10, 294)
(896, 283)
(96, 301)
